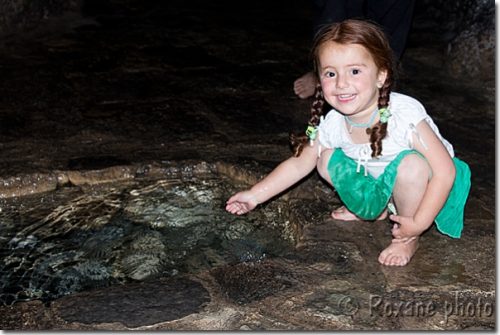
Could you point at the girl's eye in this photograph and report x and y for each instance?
(355, 71)
(330, 74)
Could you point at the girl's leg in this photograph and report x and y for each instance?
(411, 182)
(322, 165)
(341, 213)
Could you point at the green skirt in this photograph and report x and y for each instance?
(367, 197)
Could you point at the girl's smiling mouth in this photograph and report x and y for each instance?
(346, 97)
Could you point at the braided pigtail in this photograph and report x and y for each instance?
(297, 142)
(379, 130)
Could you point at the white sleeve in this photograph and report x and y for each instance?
(329, 130)
(408, 113)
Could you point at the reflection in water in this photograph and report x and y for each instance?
(73, 240)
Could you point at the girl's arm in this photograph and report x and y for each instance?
(282, 177)
(438, 189)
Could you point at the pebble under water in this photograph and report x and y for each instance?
(79, 238)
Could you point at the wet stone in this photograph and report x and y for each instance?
(128, 231)
(334, 303)
(252, 281)
(342, 256)
(95, 162)
(136, 304)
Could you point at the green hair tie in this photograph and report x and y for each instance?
(385, 114)
(312, 132)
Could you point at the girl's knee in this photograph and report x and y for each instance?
(413, 168)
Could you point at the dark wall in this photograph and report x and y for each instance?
(25, 15)
(467, 26)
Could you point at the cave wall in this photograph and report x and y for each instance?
(467, 26)
(26, 15)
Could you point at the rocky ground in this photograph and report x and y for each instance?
(133, 84)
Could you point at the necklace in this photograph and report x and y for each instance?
(361, 125)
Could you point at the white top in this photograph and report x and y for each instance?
(406, 112)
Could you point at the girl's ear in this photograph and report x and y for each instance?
(382, 76)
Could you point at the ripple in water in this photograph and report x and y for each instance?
(73, 240)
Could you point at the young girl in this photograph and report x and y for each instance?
(376, 148)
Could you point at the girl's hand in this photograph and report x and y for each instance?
(405, 229)
(241, 203)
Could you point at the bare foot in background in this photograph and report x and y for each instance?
(305, 86)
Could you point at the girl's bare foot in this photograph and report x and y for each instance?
(343, 214)
(305, 86)
(398, 253)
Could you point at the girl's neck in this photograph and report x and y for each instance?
(364, 119)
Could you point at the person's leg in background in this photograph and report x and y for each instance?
(396, 17)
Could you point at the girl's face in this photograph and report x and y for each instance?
(349, 78)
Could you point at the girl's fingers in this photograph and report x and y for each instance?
(232, 208)
(236, 208)
(394, 218)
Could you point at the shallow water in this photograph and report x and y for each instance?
(75, 239)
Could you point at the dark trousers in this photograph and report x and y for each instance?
(395, 16)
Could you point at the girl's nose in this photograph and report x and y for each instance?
(341, 81)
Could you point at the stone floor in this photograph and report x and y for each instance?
(212, 81)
